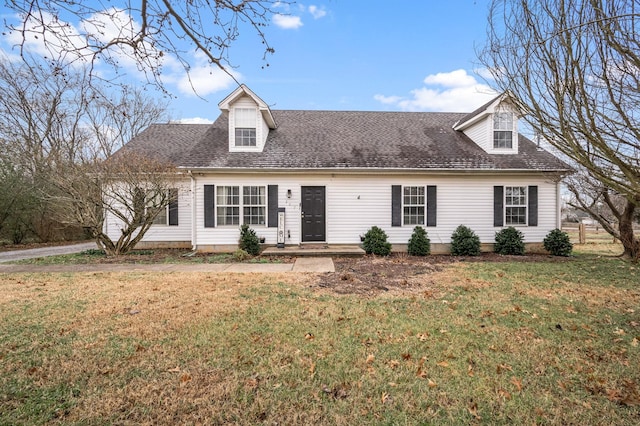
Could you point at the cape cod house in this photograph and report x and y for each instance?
(301, 177)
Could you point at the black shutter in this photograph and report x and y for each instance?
(396, 205)
(432, 205)
(272, 200)
(173, 207)
(209, 206)
(498, 205)
(533, 206)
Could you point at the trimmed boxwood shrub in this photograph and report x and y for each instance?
(249, 241)
(375, 242)
(419, 243)
(558, 243)
(465, 242)
(509, 241)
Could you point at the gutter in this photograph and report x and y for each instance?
(194, 228)
(369, 170)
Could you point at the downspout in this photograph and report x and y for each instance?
(558, 206)
(194, 227)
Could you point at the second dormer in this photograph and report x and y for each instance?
(249, 120)
(493, 126)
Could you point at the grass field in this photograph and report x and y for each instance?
(548, 342)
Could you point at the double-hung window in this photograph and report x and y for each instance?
(503, 130)
(228, 205)
(254, 205)
(413, 204)
(245, 127)
(232, 209)
(515, 205)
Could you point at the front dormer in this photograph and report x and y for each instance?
(249, 120)
(493, 127)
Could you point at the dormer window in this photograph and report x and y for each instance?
(245, 126)
(503, 130)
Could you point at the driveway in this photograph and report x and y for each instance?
(10, 256)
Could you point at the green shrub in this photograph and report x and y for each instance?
(558, 243)
(249, 241)
(464, 242)
(240, 255)
(509, 241)
(419, 243)
(375, 242)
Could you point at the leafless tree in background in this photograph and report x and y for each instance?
(574, 67)
(55, 133)
(153, 33)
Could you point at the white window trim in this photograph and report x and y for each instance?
(514, 133)
(525, 206)
(243, 119)
(423, 205)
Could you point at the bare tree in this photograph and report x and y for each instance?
(150, 32)
(55, 133)
(129, 187)
(574, 67)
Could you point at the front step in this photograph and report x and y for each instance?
(314, 250)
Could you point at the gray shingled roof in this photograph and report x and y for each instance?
(342, 140)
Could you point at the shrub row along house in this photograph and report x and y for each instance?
(301, 177)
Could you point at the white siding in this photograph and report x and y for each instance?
(164, 233)
(479, 133)
(354, 203)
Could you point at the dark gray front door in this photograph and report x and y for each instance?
(313, 221)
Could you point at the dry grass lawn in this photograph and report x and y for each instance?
(511, 342)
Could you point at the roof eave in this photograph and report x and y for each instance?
(365, 170)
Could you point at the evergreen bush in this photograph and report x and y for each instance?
(509, 241)
(375, 242)
(240, 255)
(558, 243)
(419, 243)
(464, 242)
(249, 241)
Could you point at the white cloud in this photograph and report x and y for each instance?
(203, 79)
(49, 37)
(455, 91)
(389, 100)
(287, 22)
(317, 12)
(194, 120)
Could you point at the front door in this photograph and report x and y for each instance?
(313, 221)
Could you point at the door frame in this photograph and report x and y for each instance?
(324, 214)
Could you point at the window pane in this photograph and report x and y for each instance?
(254, 202)
(503, 121)
(516, 215)
(413, 205)
(228, 205)
(502, 139)
(245, 136)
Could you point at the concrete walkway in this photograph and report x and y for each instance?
(307, 264)
(302, 264)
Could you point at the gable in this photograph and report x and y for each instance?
(493, 126)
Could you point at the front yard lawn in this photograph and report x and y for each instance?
(508, 342)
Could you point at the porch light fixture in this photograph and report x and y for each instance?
(288, 193)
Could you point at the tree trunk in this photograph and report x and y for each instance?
(629, 241)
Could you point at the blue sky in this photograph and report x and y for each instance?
(412, 55)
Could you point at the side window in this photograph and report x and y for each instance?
(515, 205)
(503, 130)
(413, 203)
